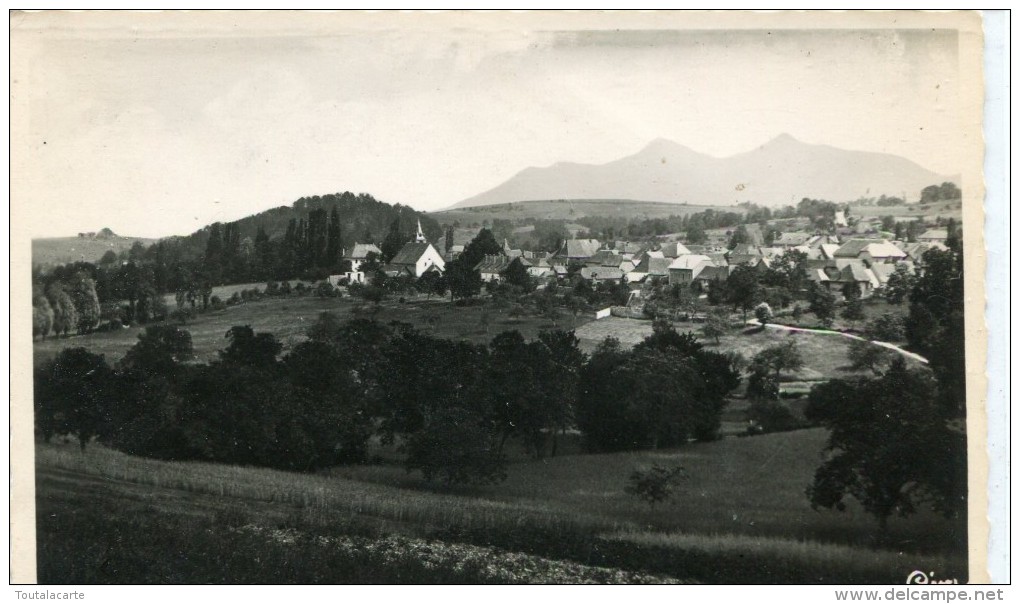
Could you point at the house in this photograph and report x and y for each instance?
(649, 266)
(838, 273)
(840, 219)
(789, 240)
(916, 251)
(599, 274)
(604, 258)
(359, 254)
(882, 271)
(355, 258)
(492, 266)
(743, 254)
(453, 252)
(540, 268)
(933, 236)
(674, 249)
(685, 269)
(870, 250)
(709, 273)
(578, 249)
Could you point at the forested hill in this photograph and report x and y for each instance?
(304, 241)
(362, 218)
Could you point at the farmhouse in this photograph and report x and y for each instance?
(358, 254)
(870, 250)
(933, 236)
(649, 267)
(578, 249)
(685, 269)
(599, 274)
(838, 274)
(492, 266)
(674, 249)
(791, 240)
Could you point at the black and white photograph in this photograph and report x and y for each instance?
(466, 298)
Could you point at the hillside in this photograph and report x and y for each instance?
(51, 251)
(780, 172)
(563, 209)
(362, 218)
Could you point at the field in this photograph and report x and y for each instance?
(560, 519)
(825, 355)
(52, 251)
(945, 209)
(289, 317)
(571, 210)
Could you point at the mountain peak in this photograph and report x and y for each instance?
(784, 139)
(660, 145)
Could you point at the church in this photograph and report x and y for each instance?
(416, 258)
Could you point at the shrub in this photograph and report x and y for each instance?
(654, 485)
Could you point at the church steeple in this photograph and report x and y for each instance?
(420, 236)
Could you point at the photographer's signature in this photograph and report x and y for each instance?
(919, 577)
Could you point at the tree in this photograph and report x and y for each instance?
(654, 485)
(778, 358)
(159, 349)
(935, 324)
(763, 312)
(885, 328)
(395, 239)
(898, 287)
(334, 246)
(464, 281)
(742, 289)
(890, 446)
(696, 235)
(822, 304)
(739, 236)
(853, 311)
(448, 240)
(250, 349)
(42, 313)
(865, 355)
(86, 302)
(517, 274)
(455, 446)
(432, 283)
(65, 317)
(716, 324)
(72, 395)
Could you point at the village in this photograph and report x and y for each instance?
(854, 258)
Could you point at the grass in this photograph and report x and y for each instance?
(825, 356)
(569, 509)
(51, 251)
(288, 318)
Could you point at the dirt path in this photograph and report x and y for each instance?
(906, 353)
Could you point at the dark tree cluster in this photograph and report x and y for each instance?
(665, 392)
(451, 405)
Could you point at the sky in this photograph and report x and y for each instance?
(158, 124)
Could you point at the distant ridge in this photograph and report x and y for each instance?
(782, 171)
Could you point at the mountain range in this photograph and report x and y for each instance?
(780, 172)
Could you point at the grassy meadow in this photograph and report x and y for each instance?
(288, 318)
(739, 515)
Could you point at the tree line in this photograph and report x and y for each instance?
(452, 406)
